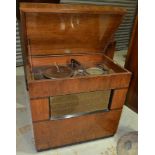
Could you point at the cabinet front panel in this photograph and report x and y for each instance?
(50, 134)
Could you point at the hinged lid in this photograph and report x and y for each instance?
(64, 28)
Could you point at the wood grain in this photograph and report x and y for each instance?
(70, 8)
(50, 134)
(57, 28)
(66, 59)
(40, 109)
(45, 88)
(118, 98)
(34, 1)
(111, 50)
(58, 33)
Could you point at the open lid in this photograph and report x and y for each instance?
(64, 28)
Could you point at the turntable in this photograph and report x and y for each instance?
(69, 70)
(76, 90)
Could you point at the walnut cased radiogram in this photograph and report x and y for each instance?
(76, 90)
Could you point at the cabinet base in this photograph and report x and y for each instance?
(58, 133)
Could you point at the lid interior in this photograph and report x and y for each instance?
(50, 29)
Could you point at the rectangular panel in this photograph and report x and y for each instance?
(61, 33)
(40, 109)
(52, 134)
(71, 8)
(64, 86)
(78, 104)
(118, 98)
(51, 30)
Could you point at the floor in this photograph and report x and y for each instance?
(25, 141)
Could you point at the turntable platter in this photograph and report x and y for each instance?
(53, 72)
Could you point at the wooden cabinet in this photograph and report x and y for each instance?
(53, 35)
